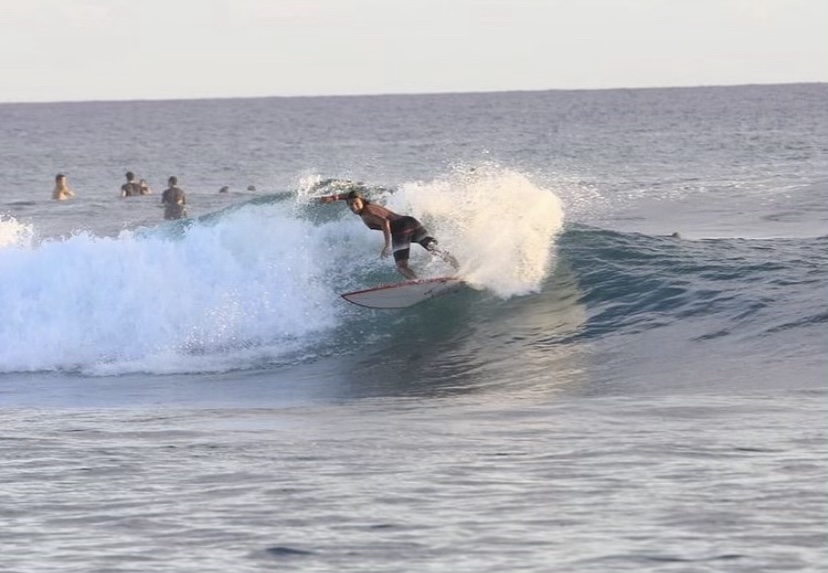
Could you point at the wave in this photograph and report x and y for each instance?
(254, 284)
(257, 285)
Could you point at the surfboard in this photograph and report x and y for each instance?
(404, 294)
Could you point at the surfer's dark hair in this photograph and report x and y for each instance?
(354, 195)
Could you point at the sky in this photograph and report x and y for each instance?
(79, 50)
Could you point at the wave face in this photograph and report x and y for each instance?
(754, 287)
(664, 310)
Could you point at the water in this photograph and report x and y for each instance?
(194, 396)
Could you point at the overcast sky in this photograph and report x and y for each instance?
(68, 50)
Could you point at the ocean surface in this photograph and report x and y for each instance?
(635, 378)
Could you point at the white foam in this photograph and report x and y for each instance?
(204, 300)
(498, 223)
(14, 233)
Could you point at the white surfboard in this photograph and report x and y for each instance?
(405, 294)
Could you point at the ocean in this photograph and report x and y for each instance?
(634, 378)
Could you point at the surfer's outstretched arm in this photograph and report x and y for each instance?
(331, 198)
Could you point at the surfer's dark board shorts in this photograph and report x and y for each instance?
(404, 231)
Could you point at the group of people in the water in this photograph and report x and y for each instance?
(173, 199)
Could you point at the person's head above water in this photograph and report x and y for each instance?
(172, 181)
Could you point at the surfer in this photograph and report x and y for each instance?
(399, 231)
